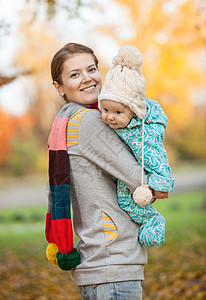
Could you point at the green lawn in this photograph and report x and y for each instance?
(185, 214)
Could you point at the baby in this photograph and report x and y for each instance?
(141, 123)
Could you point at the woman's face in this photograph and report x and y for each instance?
(81, 80)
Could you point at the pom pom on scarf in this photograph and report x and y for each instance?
(68, 261)
(51, 252)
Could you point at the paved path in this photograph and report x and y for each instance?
(27, 195)
(190, 181)
(23, 196)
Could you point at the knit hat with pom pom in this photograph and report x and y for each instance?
(125, 82)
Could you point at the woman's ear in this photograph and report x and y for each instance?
(59, 88)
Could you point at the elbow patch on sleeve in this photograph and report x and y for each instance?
(110, 228)
(72, 131)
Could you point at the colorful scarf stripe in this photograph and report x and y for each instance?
(59, 229)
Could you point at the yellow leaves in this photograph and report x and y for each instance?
(193, 141)
(172, 39)
(173, 274)
(31, 278)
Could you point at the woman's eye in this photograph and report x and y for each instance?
(92, 70)
(74, 75)
(106, 110)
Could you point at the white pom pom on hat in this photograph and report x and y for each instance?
(129, 57)
(142, 196)
(125, 82)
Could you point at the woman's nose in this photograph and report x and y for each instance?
(86, 77)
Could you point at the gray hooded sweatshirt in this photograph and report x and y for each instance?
(97, 159)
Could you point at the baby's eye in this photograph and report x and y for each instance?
(118, 112)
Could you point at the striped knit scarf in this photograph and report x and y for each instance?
(59, 231)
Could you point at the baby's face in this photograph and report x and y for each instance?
(116, 114)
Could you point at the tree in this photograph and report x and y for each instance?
(38, 47)
(72, 7)
(39, 43)
(172, 39)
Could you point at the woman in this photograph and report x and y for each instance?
(112, 260)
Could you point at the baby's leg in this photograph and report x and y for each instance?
(152, 230)
(152, 223)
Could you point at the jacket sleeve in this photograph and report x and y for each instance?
(101, 145)
(156, 159)
(155, 156)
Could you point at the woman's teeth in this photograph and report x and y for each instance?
(89, 88)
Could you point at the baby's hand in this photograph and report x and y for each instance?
(161, 195)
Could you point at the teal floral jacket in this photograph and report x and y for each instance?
(155, 156)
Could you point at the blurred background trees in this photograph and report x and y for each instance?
(171, 36)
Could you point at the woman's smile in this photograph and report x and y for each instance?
(88, 89)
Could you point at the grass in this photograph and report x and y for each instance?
(184, 213)
(20, 214)
(176, 270)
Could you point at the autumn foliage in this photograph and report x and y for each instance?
(172, 38)
(10, 126)
(20, 148)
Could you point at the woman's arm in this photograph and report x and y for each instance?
(102, 146)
